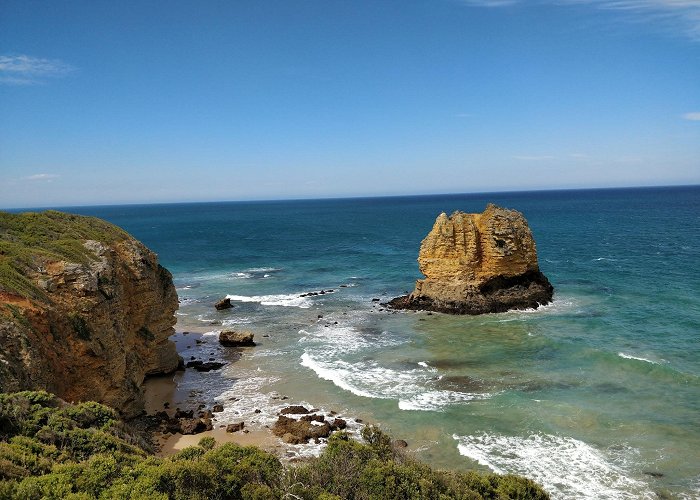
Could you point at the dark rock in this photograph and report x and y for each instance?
(400, 443)
(375, 300)
(294, 409)
(201, 366)
(217, 408)
(235, 427)
(313, 418)
(184, 414)
(223, 304)
(230, 338)
(339, 424)
(654, 474)
(299, 431)
(194, 425)
(257, 410)
(206, 414)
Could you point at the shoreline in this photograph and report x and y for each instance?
(168, 394)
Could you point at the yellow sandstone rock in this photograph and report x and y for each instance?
(86, 319)
(478, 263)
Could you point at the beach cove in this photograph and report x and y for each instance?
(595, 395)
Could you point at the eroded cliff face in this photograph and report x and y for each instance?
(89, 327)
(478, 263)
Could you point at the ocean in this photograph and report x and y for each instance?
(596, 395)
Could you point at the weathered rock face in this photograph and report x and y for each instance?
(89, 327)
(478, 263)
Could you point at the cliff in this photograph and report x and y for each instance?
(85, 310)
(478, 263)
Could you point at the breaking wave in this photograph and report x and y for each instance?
(564, 466)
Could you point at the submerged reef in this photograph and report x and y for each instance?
(478, 263)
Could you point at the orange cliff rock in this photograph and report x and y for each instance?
(86, 311)
(478, 263)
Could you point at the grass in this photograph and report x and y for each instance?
(28, 241)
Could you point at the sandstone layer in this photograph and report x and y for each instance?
(86, 311)
(478, 263)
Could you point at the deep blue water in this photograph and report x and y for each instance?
(588, 395)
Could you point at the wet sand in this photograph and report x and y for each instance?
(163, 394)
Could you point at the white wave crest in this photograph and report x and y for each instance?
(564, 466)
(436, 400)
(412, 388)
(638, 358)
(286, 300)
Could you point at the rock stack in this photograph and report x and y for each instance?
(478, 263)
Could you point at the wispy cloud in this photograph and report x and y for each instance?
(28, 70)
(41, 177)
(681, 16)
(534, 157)
(693, 117)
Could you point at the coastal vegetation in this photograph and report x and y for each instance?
(28, 240)
(51, 449)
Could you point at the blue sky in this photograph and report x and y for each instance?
(126, 102)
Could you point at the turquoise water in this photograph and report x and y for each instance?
(595, 396)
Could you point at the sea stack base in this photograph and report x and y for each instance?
(501, 294)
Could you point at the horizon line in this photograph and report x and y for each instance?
(356, 197)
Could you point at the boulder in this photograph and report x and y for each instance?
(300, 431)
(294, 409)
(231, 338)
(195, 425)
(478, 263)
(223, 304)
(235, 427)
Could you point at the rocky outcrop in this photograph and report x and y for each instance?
(223, 304)
(230, 338)
(308, 427)
(478, 263)
(86, 311)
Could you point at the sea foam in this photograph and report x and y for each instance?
(333, 353)
(286, 300)
(564, 466)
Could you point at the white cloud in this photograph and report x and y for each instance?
(693, 117)
(27, 70)
(680, 16)
(41, 177)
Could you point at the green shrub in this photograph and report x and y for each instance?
(82, 451)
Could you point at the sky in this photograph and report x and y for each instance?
(105, 102)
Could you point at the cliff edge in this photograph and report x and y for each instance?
(478, 263)
(85, 310)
